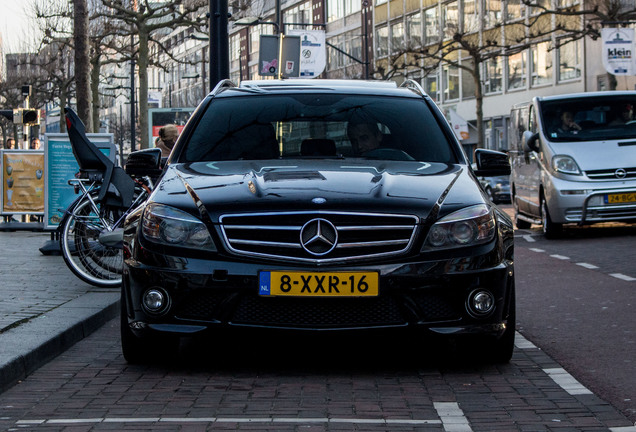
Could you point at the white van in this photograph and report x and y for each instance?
(573, 160)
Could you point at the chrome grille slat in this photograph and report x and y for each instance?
(263, 227)
(360, 235)
(610, 174)
(371, 244)
(266, 243)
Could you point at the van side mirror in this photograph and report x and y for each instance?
(531, 142)
(145, 162)
(491, 163)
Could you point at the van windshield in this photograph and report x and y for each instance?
(589, 119)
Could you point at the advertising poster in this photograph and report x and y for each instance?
(22, 181)
(60, 167)
(618, 45)
(159, 117)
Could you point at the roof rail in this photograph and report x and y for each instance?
(414, 86)
(222, 85)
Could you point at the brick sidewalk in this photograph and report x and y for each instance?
(44, 308)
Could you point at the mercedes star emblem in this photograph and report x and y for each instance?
(318, 236)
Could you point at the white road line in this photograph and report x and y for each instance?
(299, 421)
(536, 250)
(566, 381)
(523, 343)
(452, 416)
(561, 257)
(587, 266)
(622, 277)
(623, 429)
(529, 238)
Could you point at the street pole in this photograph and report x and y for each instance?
(219, 43)
(281, 35)
(365, 5)
(132, 97)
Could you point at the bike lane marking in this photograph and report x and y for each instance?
(586, 265)
(451, 416)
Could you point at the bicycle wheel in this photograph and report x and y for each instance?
(84, 255)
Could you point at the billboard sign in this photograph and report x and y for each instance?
(618, 48)
(313, 52)
(159, 117)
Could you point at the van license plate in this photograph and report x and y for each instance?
(620, 198)
(318, 284)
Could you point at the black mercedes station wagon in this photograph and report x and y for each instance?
(319, 205)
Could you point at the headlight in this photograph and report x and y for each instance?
(172, 227)
(466, 227)
(565, 165)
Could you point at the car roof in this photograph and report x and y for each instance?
(587, 95)
(383, 88)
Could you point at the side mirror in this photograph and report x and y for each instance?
(491, 163)
(144, 163)
(531, 142)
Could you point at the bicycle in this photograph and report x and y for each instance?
(90, 231)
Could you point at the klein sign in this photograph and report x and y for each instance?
(618, 48)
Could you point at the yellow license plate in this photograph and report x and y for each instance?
(621, 198)
(318, 284)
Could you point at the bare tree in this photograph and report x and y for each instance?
(82, 62)
(467, 44)
(143, 23)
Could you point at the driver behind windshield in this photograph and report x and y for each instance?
(364, 137)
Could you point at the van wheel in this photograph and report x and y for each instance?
(520, 223)
(550, 229)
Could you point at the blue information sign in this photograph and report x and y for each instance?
(60, 165)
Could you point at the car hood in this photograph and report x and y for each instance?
(597, 155)
(317, 185)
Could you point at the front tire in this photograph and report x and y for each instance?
(550, 229)
(142, 350)
(519, 223)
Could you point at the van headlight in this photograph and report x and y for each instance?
(172, 227)
(565, 164)
(466, 227)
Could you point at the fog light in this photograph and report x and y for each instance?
(155, 300)
(481, 302)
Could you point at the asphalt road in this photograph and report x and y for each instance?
(576, 302)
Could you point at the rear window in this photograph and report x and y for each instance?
(318, 126)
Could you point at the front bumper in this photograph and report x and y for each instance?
(432, 295)
(585, 202)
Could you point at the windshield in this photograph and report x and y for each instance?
(318, 126)
(589, 119)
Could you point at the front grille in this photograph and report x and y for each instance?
(602, 214)
(357, 235)
(610, 174)
(318, 313)
(220, 306)
(437, 305)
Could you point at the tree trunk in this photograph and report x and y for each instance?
(63, 101)
(479, 102)
(95, 70)
(82, 62)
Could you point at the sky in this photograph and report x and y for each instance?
(15, 25)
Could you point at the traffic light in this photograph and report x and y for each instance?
(31, 117)
(26, 116)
